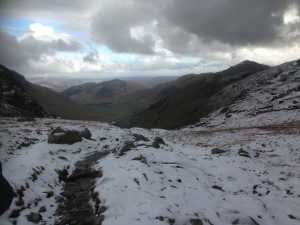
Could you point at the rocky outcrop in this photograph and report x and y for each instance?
(14, 99)
(66, 136)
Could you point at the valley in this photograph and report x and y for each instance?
(234, 159)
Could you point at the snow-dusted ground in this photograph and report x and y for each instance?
(173, 184)
(266, 98)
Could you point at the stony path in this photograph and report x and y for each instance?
(75, 209)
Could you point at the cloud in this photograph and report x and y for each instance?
(113, 24)
(194, 26)
(158, 34)
(92, 57)
(37, 41)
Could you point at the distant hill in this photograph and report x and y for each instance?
(104, 91)
(118, 100)
(192, 97)
(22, 98)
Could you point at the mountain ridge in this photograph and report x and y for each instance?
(48, 102)
(189, 103)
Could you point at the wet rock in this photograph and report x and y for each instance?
(34, 217)
(65, 136)
(196, 222)
(157, 142)
(217, 151)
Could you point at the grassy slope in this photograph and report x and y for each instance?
(61, 105)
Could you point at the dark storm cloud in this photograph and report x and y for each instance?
(230, 21)
(186, 26)
(111, 25)
(17, 52)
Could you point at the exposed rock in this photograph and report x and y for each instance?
(76, 207)
(244, 153)
(42, 209)
(85, 133)
(217, 188)
(171, 221)
(34, 217)
(128, 145)
(26, 119)
(142, 159)
(196, 222)
(161, 218)
(139, 137)
(65, 136)
(62, 174)
(20, 202)
(241, 151)
(15, 213)
(235, 222)
(49, 194)
(217, 151)
(157, 142)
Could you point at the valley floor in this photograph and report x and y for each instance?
(254, 180)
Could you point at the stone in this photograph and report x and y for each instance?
(26, 119)
(85, 133)
(157, 142)
(15, 213)
(217, 151)
(65, 136)
(241, 151)
(42, 209)
(20, 202)
(34, 217)
(62, 174)
(128, 145)
(244, 153)
(217, 188)
(139, 137)
(49, 194)
(196, 222)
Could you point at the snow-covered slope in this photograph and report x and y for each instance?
(256, 181)
(267, 97)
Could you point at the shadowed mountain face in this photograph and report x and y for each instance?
(118, 100)
(15, 101)
(186, 104)
(22, 98)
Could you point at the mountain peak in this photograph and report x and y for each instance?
(248, 65)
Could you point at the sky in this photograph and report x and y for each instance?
(102, 38)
